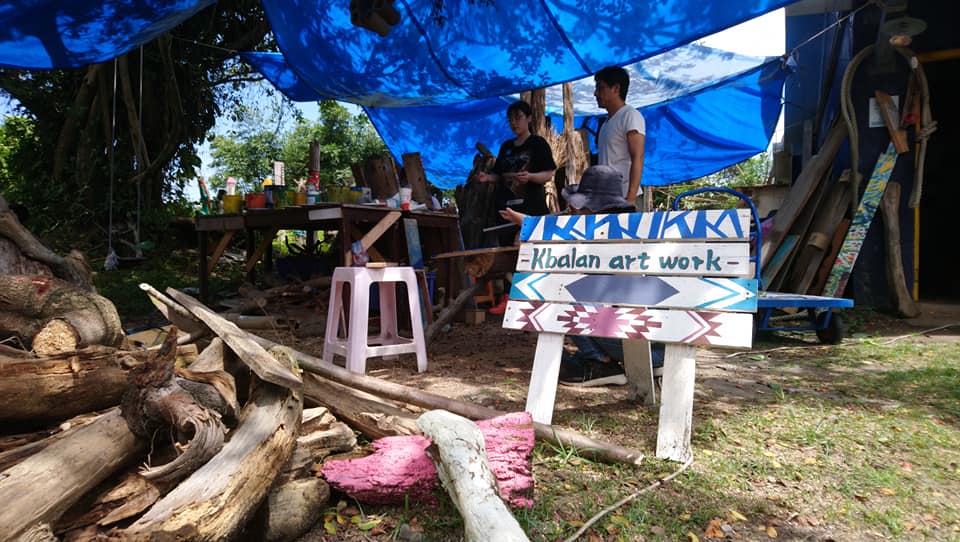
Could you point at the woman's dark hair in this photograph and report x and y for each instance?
(522, 107)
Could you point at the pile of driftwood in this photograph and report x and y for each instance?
(218, 433)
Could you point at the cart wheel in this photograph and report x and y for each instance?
(832, 333)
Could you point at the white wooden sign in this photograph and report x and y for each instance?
(700, 293)
(715, 224)
(729, 329)
(717, 259)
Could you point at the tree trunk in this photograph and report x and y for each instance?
(56, 388)
(40, 488)
(72, 268)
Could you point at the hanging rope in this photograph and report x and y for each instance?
(110, 263)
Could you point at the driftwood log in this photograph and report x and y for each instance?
(40, 488)
(53, 388)
(158, 400)
(588, 447)
(459, 453)
(217, 500)
(56, 316)
(373, 416)
(72, 268)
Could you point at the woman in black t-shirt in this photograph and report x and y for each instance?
(524, 165)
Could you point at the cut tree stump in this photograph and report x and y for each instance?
(40, 488)
(76, 318)
(459, 453)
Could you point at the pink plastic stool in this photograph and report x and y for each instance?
(356, 347)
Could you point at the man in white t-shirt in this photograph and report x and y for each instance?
(622, 136)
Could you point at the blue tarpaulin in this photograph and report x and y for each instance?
(45, 34)
(705, 109)
(440, 81)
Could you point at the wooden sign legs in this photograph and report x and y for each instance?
(543, 381)
(676, 408)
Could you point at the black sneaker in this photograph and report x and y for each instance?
(595, 373)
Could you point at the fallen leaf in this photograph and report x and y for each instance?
(886, 491)
(692, 537)
(772, 531)
(658, 530)
(330, 527)
(367, 525)
(734, 515)
(684, 517)
(713, 529)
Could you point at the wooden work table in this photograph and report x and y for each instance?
(379, 229)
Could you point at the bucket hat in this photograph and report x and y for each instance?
(600, 189)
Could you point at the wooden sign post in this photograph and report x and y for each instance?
(682, 278)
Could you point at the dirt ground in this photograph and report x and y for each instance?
(490, 366)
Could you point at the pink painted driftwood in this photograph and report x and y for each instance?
(399, 466)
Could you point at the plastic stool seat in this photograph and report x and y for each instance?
(357, 346)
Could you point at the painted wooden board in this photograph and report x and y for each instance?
(709, 224)
(850, 250)
(638, 290)
(783, 251)
(779, 300)
(719, 259)
(730, 329)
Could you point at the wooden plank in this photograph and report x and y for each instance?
(800, 192)
(412, 233)
(265, 366)
(543, 380)
(218, 251)
(783, 251)
(712, 224)
(825, 222)
(673, 258)
(416, 178)
(638, 290)
(847, 258)
(891, 117)
(676, 411)
(721, 329)
(268, 236)
(379, 229)
(637, 364)
(824, 270)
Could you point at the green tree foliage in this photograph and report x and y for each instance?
(247, 152)
(751, 172)
(142, 133)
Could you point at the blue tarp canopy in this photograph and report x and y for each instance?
(439, 82)
(705, 109)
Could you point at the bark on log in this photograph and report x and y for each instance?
(73, 268)
(459, 454)
(217, 500)
(58, 387)
(369, 414)
(299, 496)
(40, 488)
(126, 499)
(157, 398)
(264, 365)
(39, 299)
(16, 448)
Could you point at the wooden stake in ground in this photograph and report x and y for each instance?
(459, 454)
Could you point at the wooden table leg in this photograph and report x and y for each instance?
(219, 250)
(204, 273)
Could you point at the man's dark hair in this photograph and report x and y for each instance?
(614, 75)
